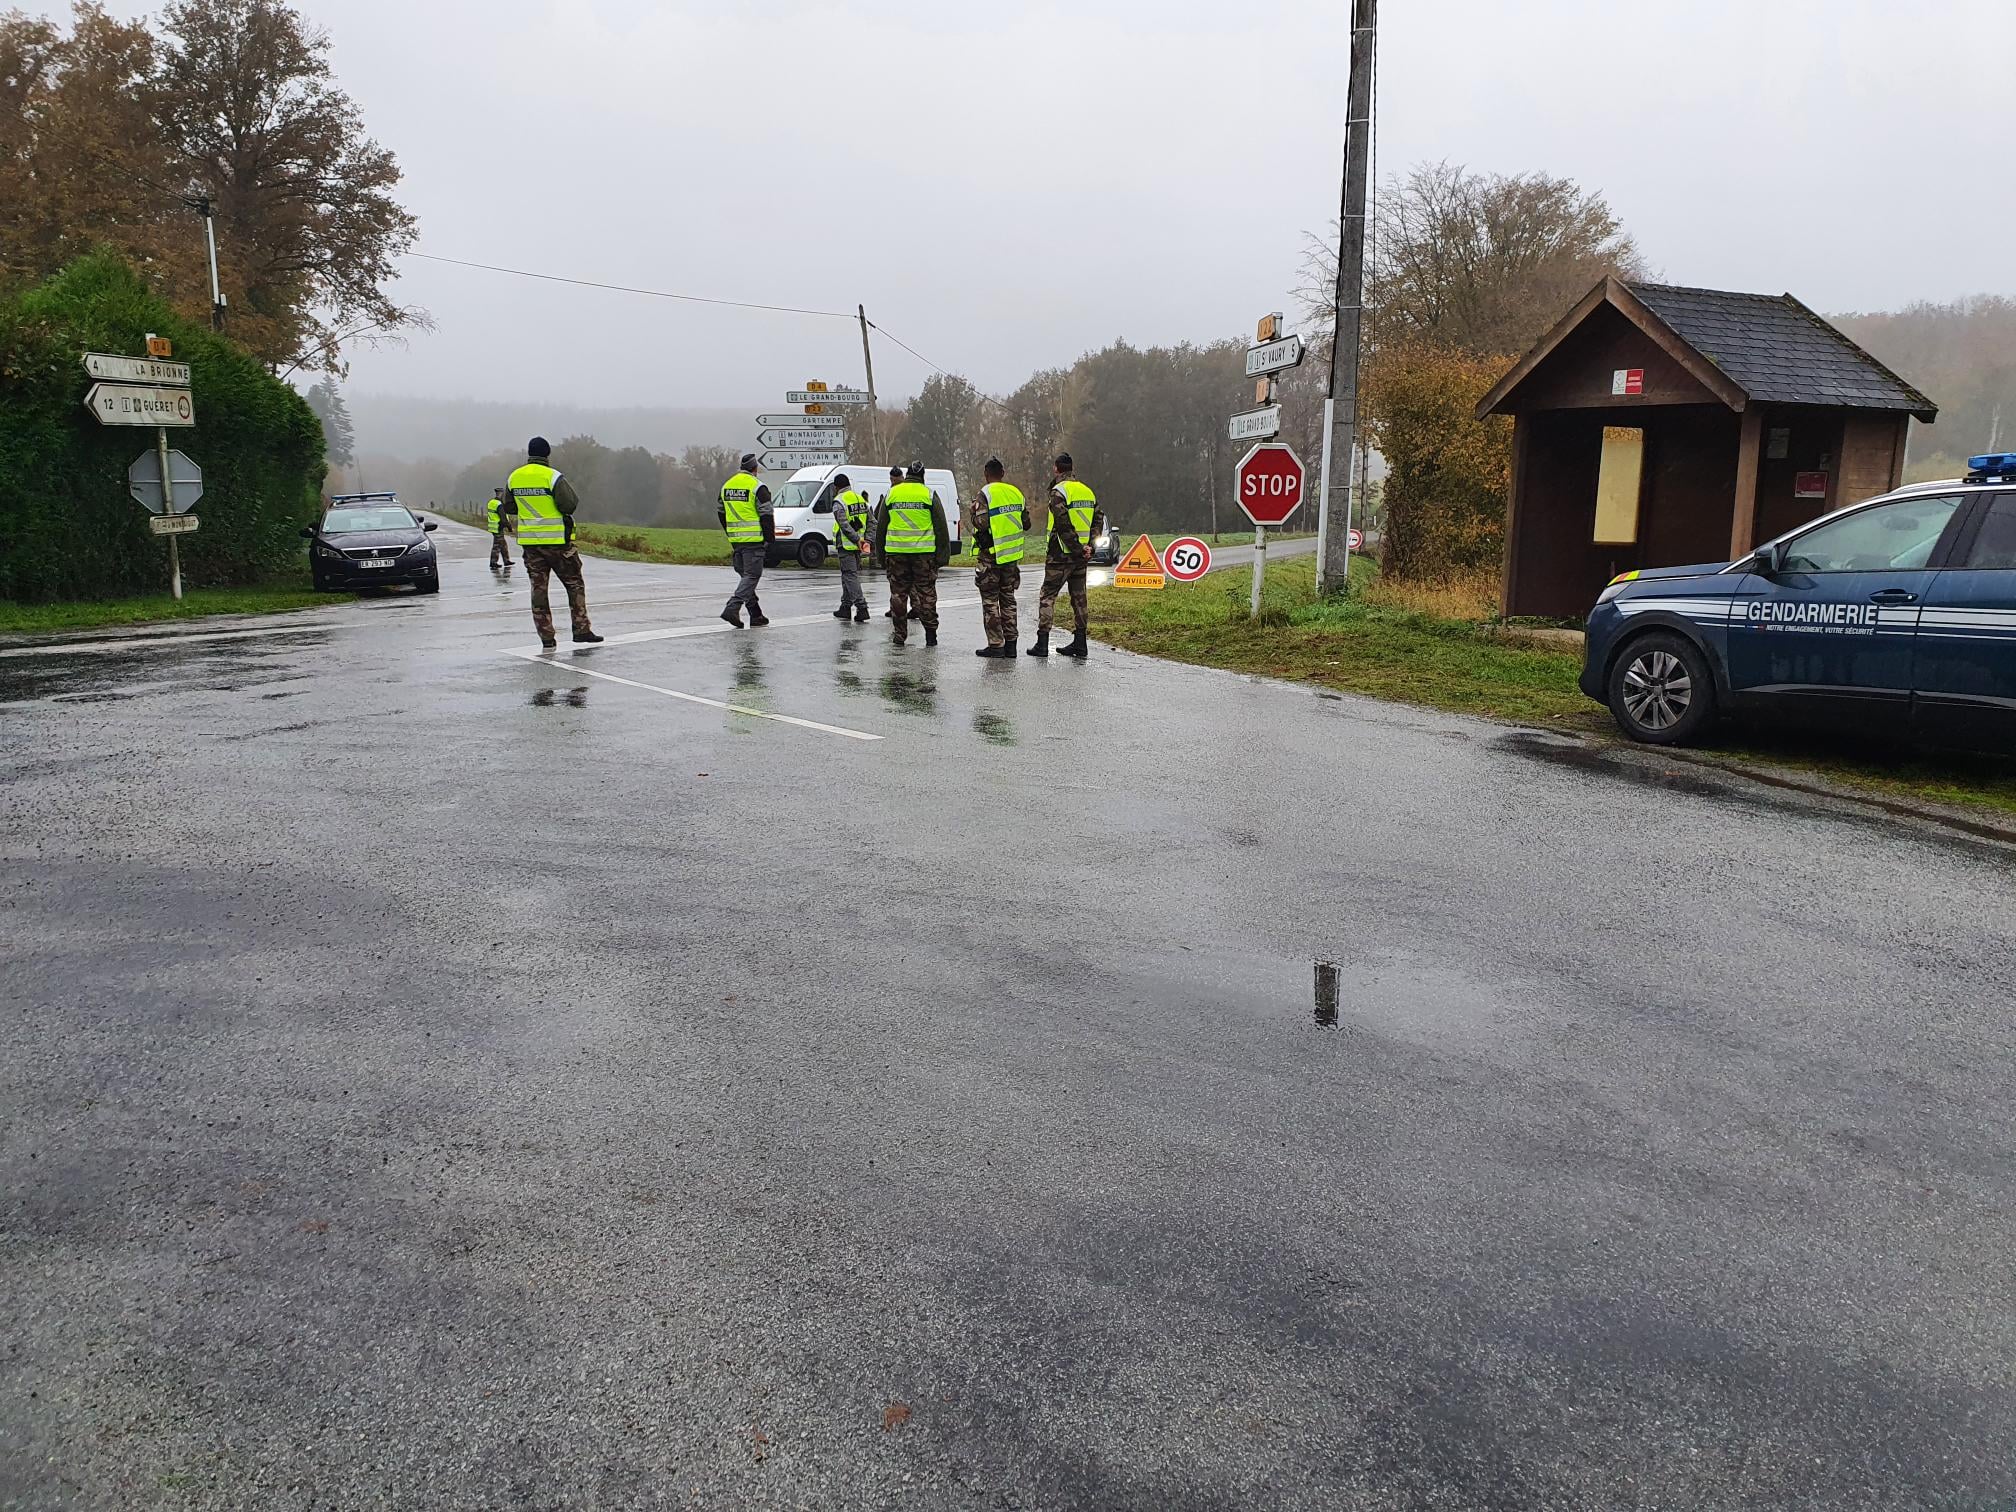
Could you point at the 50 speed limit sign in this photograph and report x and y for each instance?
(1186, 559)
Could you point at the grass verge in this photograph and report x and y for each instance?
(276, 597)
(1370, 643)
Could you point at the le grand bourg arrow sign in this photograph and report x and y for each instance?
(826, 396)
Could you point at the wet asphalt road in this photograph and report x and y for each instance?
(433, 1077)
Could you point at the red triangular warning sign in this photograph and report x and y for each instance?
(1140, 568)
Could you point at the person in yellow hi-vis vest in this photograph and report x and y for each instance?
(500, 554)
(750, 519)
(1000, 520)
(913, 541)
(543, 504)
(1074, 521)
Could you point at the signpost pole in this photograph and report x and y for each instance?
(1323, 494)
(168, 507)
(1259, 564)
(868, 362)
(1333, 569)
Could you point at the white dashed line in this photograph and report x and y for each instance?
(540, 658)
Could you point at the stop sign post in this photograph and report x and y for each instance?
(1269, 483)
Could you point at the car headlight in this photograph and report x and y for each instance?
(324, 549)
(1616, 586)
(421, 547)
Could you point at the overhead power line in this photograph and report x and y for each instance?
(590, 283)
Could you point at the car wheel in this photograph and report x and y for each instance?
(431, 585)
(1661, 689)
(812, 554)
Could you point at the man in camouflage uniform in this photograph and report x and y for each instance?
(913, 541)
(542, 503)
(500, 554)
(998, 520)
(1075, 518)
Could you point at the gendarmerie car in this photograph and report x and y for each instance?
(370, 540)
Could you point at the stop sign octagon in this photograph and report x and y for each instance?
(1269, 481)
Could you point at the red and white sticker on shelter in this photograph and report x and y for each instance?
(1186, 559)
(1628, 381)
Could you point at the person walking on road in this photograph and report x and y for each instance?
(493, 512)
(850, 537)
(999, 520)
(882, 508)
(1074, 521)
(913, 541)
(542, 503)
(746, 514)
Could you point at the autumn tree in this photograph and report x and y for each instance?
(1444, 495)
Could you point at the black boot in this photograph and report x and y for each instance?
(995, 651)
(860, 614)
(842, 612)
(1040, 646)
(732, 617)
(587, 638)
(930, 635)
(1076, 648)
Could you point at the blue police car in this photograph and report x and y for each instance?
(1895, 616)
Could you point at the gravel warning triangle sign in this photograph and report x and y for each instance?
(1140, 568)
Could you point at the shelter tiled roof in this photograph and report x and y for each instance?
(1778, 351)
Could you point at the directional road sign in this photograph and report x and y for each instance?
(130, 404)
(817, 440)
(143, 481)
(827, 396)
(1269, 481)
(135, 369)
(1273, 356)
(1186, 559)
(1140, 568)
(1257, 424)
(780, 461)
(175, 524)
(804, 422)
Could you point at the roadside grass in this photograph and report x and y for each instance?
(1460, 596)
(654, 543)
(1372, 642)
(276, 597)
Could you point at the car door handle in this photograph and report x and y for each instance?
(1893, 596)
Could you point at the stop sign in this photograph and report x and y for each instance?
(1269, 481)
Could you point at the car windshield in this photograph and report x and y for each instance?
(367, 517)
(799, 495)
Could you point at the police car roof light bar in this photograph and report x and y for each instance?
(1992, 467)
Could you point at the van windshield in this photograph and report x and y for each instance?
(799, 495)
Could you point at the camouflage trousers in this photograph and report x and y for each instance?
(998, 587)
(563, 562)
(1055, 575)
(499, 551)
(913, 583)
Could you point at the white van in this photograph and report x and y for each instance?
(804, 506)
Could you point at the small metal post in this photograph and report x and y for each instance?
(216, 294)
(168, 508)
(1259, 564)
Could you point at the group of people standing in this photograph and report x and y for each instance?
(906, 531)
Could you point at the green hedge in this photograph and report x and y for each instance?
(68, 527)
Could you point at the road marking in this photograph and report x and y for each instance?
(719, 627)
(539, 658)
(87, 648)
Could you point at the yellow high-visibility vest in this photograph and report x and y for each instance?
(540, 522)
(854, 509)
(1007, 521)
(1081, 503)
(738, 506)
(910, 530)
(491, 517)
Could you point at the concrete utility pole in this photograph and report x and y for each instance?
(868, 362)
(1340, 409)
(201, 206)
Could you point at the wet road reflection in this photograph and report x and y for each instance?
(546, 698)
(1326, 995)
(910, 693)
(995, 729)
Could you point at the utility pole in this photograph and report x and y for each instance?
(868, 362)
(201, 205)
(1340, 408)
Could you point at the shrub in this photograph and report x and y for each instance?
(1444, 497)
(68, 526)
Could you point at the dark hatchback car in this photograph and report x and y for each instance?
(1106, 546)
(370, 541)
(1894, 617)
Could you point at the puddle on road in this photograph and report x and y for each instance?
(909, 694)
(1326, 994)
(1540, 746)
(995, 729)
(547, 698)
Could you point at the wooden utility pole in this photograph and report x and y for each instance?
(1340, 408)
(868, 362)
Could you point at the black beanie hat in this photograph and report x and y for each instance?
(537, 447)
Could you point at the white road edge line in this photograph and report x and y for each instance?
(539, 658)
(721, 627)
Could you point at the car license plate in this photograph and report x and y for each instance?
(383, 562)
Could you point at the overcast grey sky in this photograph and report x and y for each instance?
(1008, 185)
